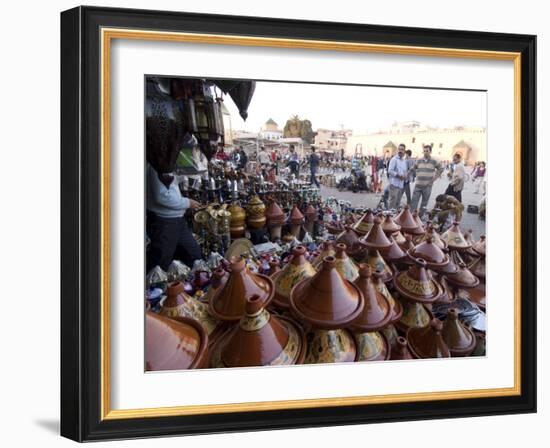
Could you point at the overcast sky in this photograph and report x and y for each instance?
(361, 108)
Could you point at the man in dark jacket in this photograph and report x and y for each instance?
(313, 167)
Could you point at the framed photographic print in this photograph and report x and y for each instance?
(277, 224)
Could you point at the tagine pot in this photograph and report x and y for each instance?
(389, 226)
(455, 238)
(417, 284)
(459, 338)
(326, 300)
(260, 339)
(480, 246)
(377, 311)
(330, 346)
(351, 239)
(377, 263)
(311, 218)
(365, 223)
(344, 264)
(407, 222)
(432, 233)
(274, 267)
(477, 295)
(229, 301)
(427, 342)
(174, 343)
(390, 332)
(275, 219)
(477, 267)
(463, 278)
(295, 270)
(397, 308)
(179, 304)
(372, 346)
(326, 250)
(376, 239)
(296, 220)
(400, 351)
(415, 315)
(218, 279)
(428, 251)
(394, 254)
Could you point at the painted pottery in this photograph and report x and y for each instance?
(415, 315)
(455, 238)
(477, 267)
(428, 342)
(401, 349)
(480, 246)
(377, 311)
(274, 267)
(295, 270)
(177, 303)
(389, 226)
(376, 239)
(344, 264)
(372, 346)
(391, 334)
(275, 218)
(177, 271)
(260, 339)
(394, 253)
(327, 300)
(237, 222)
(156, 277)
(296, 220)
(219, 278)
(330, 346)
(459, 338)
(255, 213)
(428, 251)
(326, 250)
(463, 278)
(229, 301)
(365, 223)
(407, 222)
(377, 263)
(397, 308)
(174, 344)
(417, 283)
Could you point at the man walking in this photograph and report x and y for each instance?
(313, 167)
(397, 173)
(427, 170)
(410, 175)
(457, 176)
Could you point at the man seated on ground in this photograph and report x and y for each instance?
(447, 208)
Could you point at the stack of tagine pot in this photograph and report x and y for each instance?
(327, 304)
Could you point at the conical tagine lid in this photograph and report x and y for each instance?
(455, 238)
(174, 344)
(394, 253)
(459, 338)
(327, 250)
(377, 263)
(376, 239)
(478, 268)
(363, 226)
(463, 278)
(432, 233)
(401, 349)
(407, 222)
(327, 300)
(349, 237)
(429, 252)
(417, 283)
(295, 270)
(311, 213)
(480, 246)
(228, 303)
(377, 311)
(274, 214)
(296, 217)
(260, 339)
(427, 342)
(344, 264)
(389, 226)
(395, 305)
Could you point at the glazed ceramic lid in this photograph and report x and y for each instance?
(394, 252)
(407, 222)
(219, 278)
(429, 252)
(295, 270)
(417, 283)
(330, 346)
(377, 311)
(274, 267)
(327, 249)
(349, 237)
(260, 339)
(296, 217)
(406, 243)
(455, 239)
(344, 264)
(376, 239)
(432, 233)
(478, 267)
(449, 268)
(417, 219)
(377, 263)
(365, 223)
(459, 338)
(174, 343)
(389, 226)
(397, 308)
(463, 278)
(372, 346)
(480, 246)
(326, 300)
(427, 342)
(311, 213)
(228, 303)
(401, 349)
(274, 214)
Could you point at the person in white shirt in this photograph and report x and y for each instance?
(397, 173)
(166, 225)
(457, 176)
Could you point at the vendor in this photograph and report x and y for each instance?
(166, 226)
(446, 206)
